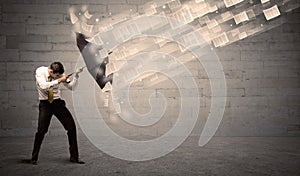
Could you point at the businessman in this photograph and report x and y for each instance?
(48, 81)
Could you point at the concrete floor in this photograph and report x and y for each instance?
(221, 156)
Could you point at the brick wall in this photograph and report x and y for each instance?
(262, 72)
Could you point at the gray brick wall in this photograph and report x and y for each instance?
(262, 72)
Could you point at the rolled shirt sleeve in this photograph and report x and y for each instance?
(73, 84)
(42, 80)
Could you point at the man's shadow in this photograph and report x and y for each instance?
(54, 160)
(24, 161)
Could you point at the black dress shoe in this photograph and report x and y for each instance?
(73, 160)
(34, 162)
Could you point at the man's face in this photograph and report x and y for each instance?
(54, 75)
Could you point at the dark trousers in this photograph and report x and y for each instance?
(46, 111)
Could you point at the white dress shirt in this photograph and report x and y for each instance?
(42, 84)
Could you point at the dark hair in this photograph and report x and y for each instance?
(57, 67)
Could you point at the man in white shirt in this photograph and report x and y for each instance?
(48, 80)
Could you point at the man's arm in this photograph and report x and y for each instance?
(73, 84)
(42, 81)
